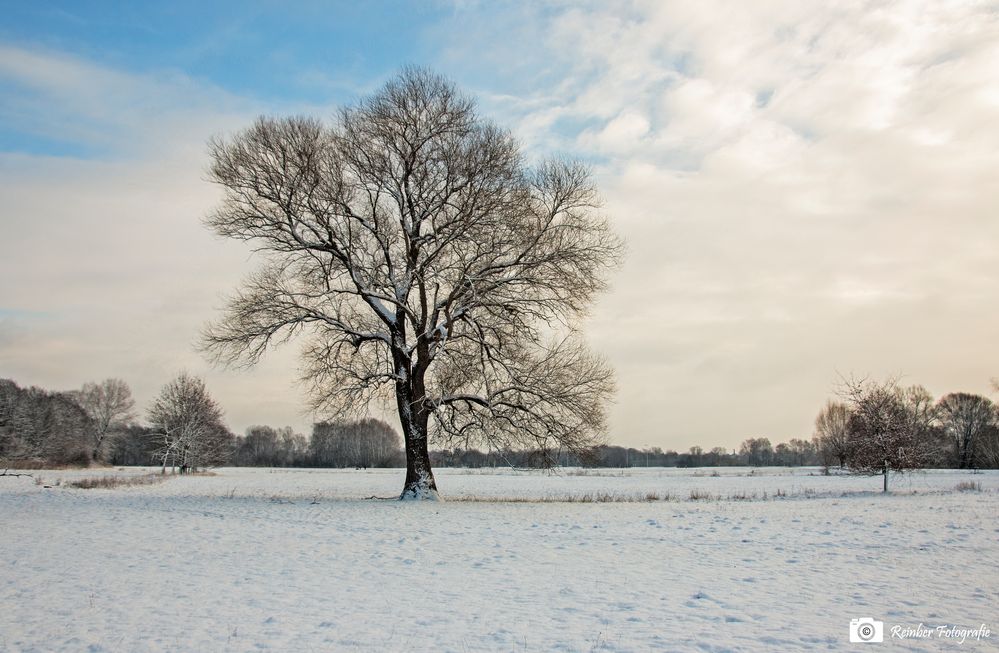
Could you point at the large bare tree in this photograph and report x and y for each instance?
(424, 259)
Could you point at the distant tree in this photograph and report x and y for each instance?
(717, 456)
(757, 452)
(613, 456)
(189, 425)
(884, 429)
(361, 443)
(988, 451)
(967, 420)
(259, 447)
(110, 407)
(65, 431)
(802, 452)
(292, 446)
(428, 263)
(832, 433)
(782, 455)
(134, 445)
(41, 427)
(270, 447)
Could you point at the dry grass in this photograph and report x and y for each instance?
(742, 496)
(968, 486)
(587, 471)
(695, 494)
(111, 482)
(588, 497)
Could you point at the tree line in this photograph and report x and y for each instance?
(184, 430)
(754, 452)
(98, 424)
(874, 427)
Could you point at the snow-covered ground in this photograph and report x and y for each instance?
(301, 560)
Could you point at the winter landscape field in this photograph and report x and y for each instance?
(645, 559)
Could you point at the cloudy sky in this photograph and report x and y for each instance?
(807, 189)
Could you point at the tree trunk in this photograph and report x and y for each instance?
(885, 470)
(966, 453)
(413, 417)
(420, 483)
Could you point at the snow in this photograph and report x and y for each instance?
(300, 560)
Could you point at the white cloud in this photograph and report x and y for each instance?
(109, 270)
(807, 188)
(621, 135)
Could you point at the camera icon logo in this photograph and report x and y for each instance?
(867, 630)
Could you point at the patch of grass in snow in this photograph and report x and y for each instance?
(588, 497)
(583, 471)
(968, 486)
(742, 496)
(110, 482)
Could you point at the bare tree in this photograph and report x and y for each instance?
(988, 448)
(832, 432)
(757, 452)
(883, 429)
(38, 427)
(425, 261)
(362, 443)
(111, 407)
(966, 419)
(188, 423)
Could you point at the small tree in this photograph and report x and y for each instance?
(110, 406)
(967, 420)
(883, 430)
(189, 425)
(832, 433)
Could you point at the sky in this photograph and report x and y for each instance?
(808, 190)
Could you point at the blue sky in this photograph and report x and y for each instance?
(316, 53)
(255, 48)
(807, 189)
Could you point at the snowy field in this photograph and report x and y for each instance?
(586, 560)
